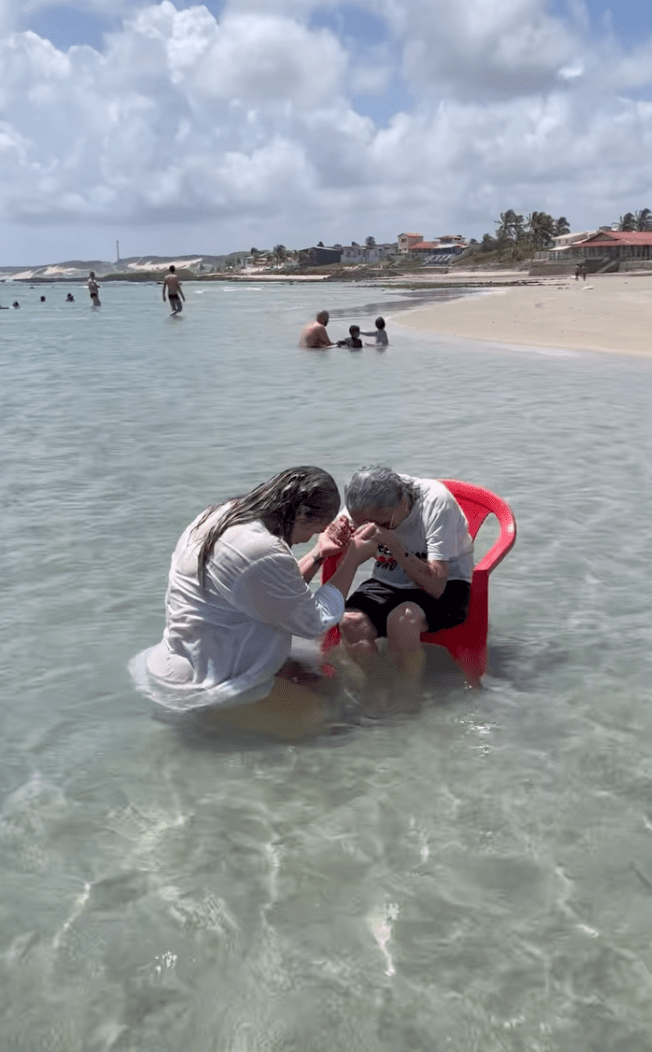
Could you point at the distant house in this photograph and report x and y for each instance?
(618, 245)
(563, 248)
(355, 253)
(422, 248)
(452, 239)
(320, 256)
(405, 242)
(441, 251)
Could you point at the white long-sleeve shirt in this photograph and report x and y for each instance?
(225, 641)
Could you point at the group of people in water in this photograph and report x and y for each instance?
(171, 285)
(93, 289)
(236, 595)
(315, 335)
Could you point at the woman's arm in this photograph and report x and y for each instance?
(333, 541)
(310, 563)
(272, 590)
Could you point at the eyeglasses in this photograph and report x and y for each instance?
(383, 525)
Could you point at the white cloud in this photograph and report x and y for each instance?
(248, 123)
(484, 49)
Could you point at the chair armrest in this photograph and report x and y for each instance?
(505, 541)
(329, 567)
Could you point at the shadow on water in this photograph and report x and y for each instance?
(523, 663)
(410, 300)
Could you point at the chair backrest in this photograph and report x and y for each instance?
(476, 503)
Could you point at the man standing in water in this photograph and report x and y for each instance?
(174, 290)
(314, 334)
(94, 289)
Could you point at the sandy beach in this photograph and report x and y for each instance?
(608, 313)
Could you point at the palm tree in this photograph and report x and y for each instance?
(643, 219)
(280, 253)
(370, 242)
(511, 226)
(540, 227)
(562, 226)
(627, 222)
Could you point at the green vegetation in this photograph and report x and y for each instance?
(516, 239)
(641, 220)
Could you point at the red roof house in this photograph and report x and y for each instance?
(616, 244)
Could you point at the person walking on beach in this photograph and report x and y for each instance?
(94, 289)
(314, 334)
(172, 285)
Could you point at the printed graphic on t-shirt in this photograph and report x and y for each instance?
(387, 569)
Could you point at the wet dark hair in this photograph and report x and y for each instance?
(306, 491)
(172, 268)
(380, 323)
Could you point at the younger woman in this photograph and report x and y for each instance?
(236, 596)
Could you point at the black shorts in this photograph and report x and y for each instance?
(377, 600)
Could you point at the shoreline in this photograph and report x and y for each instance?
(609, 313)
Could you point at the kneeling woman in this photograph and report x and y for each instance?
(236, 596)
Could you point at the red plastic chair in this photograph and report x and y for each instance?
(466, 643)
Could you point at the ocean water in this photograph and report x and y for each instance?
(475, 877)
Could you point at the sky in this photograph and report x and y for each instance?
(177, 128)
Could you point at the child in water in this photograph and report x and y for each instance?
(379, 332)
(353, 340)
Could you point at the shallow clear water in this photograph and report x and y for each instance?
(477, 877)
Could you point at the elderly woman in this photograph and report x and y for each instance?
(236, 596)
(423, 569)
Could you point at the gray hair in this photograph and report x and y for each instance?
(378, 487)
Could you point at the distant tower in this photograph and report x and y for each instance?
(117, 251)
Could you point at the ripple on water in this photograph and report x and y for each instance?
(473, 875)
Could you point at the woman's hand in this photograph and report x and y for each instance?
(335, 538)
(364, 542)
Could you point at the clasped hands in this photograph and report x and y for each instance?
(342, 534)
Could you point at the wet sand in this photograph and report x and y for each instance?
(607, 313)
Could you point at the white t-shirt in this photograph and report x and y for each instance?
(436, 528)
(224, 642)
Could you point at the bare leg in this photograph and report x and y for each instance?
(289, 712)
(359, 637)
(404, 627)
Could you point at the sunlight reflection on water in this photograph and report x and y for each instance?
(474, 876)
